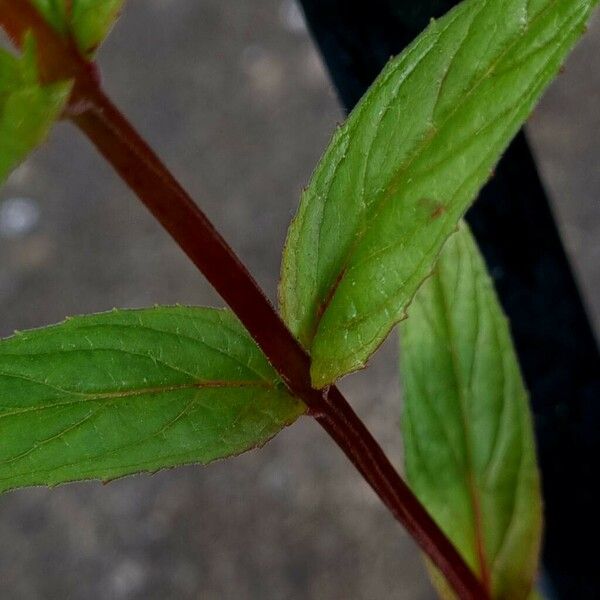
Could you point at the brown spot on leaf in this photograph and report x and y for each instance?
(438, 211)
(435, 208)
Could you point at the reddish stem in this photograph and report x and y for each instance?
(142, 170)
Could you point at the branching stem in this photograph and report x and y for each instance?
(142, 170)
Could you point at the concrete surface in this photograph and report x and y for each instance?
(234, 97)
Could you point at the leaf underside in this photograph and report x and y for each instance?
(469, 443)
(400, 173)
(87, 21)
(103, 396)
(27, 109)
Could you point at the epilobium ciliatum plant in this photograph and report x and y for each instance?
(378, 240)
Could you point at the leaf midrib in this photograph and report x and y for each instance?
(122, 395)
(461, 387)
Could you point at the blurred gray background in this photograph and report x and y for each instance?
(234, 97)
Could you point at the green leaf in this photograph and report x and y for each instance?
(88, 21)
(103, 396)
(27, 109)
(469, 444)
(406, 165)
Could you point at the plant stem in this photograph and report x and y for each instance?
(123, 148)
(156, 187)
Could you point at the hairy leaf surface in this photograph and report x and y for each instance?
(88, 21)
(402, 170)
(108, 395)
(469, 444)
(27, 109)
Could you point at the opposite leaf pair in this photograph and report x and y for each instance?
(114, 394)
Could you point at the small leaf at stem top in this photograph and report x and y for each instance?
(400, 173)
(27, 109)
(103, 396)
(87, 21)
(468, 437)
